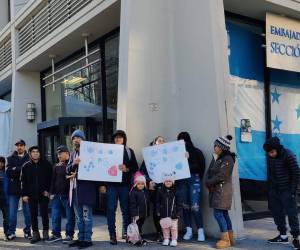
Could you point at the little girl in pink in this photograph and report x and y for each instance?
(169, 209)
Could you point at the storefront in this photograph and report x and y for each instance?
(266, 103)
(80, 92)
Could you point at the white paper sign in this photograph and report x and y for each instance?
(100, 161)
(283, 43)
(165, 159)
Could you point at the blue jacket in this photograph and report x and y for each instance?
(86, 190)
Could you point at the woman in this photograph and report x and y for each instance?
(219, 182)
(190, 189)
(153, 187)
(121, 190)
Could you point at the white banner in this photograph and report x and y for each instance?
(283, 43)
(100, 161)
(165, 159)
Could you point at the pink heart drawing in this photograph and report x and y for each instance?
(113, 171)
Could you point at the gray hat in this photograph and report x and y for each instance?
(62, 148)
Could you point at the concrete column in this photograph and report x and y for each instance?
(173, 76)
(25, 89)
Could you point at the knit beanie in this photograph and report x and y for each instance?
(223, 142)
(272, 143)
(78, 133)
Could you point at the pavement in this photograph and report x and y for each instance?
(256, 234)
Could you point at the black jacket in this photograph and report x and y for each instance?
(36, 178)
(168, 203)
(283, 171)
(139, 203)
(60, 184)
(196, 161)
(13, 172)
(130, 161)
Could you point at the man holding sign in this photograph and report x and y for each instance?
(82, 196)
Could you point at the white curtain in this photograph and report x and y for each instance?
(5, 128)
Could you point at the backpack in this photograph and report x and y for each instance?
(133, 234)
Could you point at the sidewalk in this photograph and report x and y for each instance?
(256, 234)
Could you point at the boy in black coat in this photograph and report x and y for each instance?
(35, 186)
(169, 209)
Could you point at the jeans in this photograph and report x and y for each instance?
(282, 203)
(84, 219)
(223, 220)
(4, 210)
(190, 192)
(60, 204)
(13, 202)
(113, 194)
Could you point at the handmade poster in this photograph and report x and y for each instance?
(168, 158)
(100, 161)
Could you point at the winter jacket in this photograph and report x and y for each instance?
(219, 181)
(36, 178)
(168, 203)
(196, 161)
(86, 190)
(60, 184)
(139, 203)
(283, 171)
(13, 172)
(3, 188)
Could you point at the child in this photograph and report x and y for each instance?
(138, 198)
(169, 208)
(3, 196)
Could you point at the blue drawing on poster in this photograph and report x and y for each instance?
(99, 160)
(179, 166)
(110, 152)
(165, 151)
(175, 149)
(153, 165)
(165, 159)
(100, 152)
(89, 167)
(90, 150)
(153, 153)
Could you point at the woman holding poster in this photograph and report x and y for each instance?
(120, 191)
(190, 189)
(219, 183)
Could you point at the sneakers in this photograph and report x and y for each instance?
(35, 238)
(85, 244)
(279, 240)
(11, 237)
(76, 243)
(166, 242)
(67, 240)
(27, 236)
(189, 234)
(201, 236)
(113, 240)
(173, 243)
(53, 239)
(296, 243)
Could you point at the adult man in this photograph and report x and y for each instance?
(36, 181)
(283, 177)
(13, 171)
(83, 196)
(59, 195)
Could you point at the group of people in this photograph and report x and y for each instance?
(29, 177)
